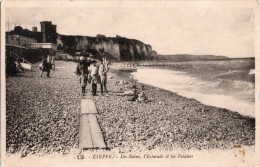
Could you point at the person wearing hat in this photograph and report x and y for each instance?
(82, 66)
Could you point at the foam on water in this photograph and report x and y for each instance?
(204, 91)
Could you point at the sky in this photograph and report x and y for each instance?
(197, 30)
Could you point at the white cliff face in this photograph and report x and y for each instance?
(109, 46)
(112, 48)
(82, 44)
(149, 52)
(116, 51)
(120, 48)
(149, 49)
(131, 49)
(138, 49)
(144, 51)
(96, 46)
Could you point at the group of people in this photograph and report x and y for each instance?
(89, 70)
(47, 64)
(94, 72)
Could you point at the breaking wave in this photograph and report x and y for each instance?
(233, 95)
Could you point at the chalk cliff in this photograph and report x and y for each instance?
(120, 48)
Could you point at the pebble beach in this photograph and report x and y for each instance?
(42, 116)
(168, 121)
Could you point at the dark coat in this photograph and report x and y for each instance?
(82, 67)
(45, 65)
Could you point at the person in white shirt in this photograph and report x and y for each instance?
(94, 78)
(102, 71)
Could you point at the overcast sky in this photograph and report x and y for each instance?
(217, 31)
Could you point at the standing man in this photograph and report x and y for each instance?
(94, 76)
(103, 69)
(45, 67)
(82, 66)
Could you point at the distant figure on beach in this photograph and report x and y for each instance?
(102, 71)
(83, 79)
(94, 78)
(45, 66)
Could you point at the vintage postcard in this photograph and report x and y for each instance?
(129, 83)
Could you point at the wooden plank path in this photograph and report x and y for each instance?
(90, 135)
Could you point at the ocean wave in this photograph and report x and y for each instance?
(229, 72)
(234, 85)
(230, 94)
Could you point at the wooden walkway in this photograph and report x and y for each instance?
(90, 135)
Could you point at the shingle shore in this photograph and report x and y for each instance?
(169, 121)
(42, 114)
(42, 117)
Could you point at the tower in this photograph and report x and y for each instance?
(49, 34)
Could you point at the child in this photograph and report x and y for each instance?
(83, 82)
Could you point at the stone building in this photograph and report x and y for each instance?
(20, 40)
(48, 33)
(32, 45)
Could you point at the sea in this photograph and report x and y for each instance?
(226, 84)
